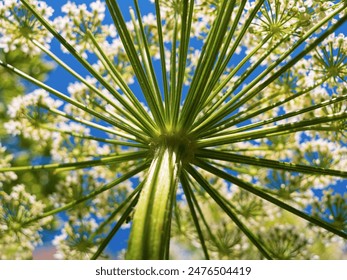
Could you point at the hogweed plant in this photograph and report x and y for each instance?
(213, 129)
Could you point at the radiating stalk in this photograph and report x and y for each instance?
(269, 131)
(187, 191)
(82, 164)
(269, 163)
(195, 94)
(129, 46)
(223, 61)
(286, 116)
(147, 60)
(117, 226)
(91, 195)
(92, 124)
(240, 81)
(74, 102)
(227, 79)
(173, 73)
(83, 61)
(118, 79)
(186, 22)
(162, 58)
(250, 91)
(98, 139)
(111, 217)
(93, 88)
(226, 208)
(226, 52)
(151, 222)
(213, 238)
(261, 193)
(237, 118)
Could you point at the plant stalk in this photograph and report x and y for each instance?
(152, 218)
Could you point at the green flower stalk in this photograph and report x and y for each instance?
(152, 218)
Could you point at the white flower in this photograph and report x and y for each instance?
(17, 239)
(18, 27)
(28, 120)
(5, 160)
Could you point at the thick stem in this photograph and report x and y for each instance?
(151, 223)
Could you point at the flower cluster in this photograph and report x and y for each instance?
(332, 208)
(28, 117)
(78, 21)
(285, 243)
(18, 238)
(75, 242)
(81, 93)
(5, 160)
(19, 28)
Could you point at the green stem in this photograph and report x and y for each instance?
(151, 222)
